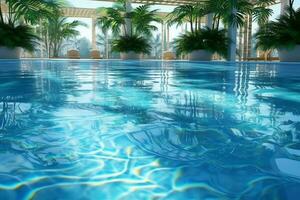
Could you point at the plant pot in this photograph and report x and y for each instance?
(8, 53)
(290, 55)
(200, 55)
(130, 55)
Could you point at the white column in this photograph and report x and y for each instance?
(162, 39)
(94, 42)
(128, 22)
(168, 37)
(284, 4)
(41, 48)
(232, 35)
(209, 20)
(41, 41)
(106, 45)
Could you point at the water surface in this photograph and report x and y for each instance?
(149, 130)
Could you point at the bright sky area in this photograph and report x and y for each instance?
(86, 32)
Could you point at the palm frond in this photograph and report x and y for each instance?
(282, 33)
(212, 40)
(19, 36)
(133, 43)
(32, 10)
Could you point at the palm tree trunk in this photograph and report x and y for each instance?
(218, 23)
(106, 45)
(191, 22)
(232, 33)
(192, 27)
(249, 34)
(214, 21)
(240, 43)
(1, 15)
(245, 41)
(55, 48)
(9, 14)
(125, 30)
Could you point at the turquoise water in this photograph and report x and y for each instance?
(149, 130)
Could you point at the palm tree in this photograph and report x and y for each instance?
(117, 18)
(113, 19)
(31, 11)
(248, 11)
(14, 31)
(55, 31)
(141, 19)
(188, 13)
(260, 13)
(286, 28)
(221, 10)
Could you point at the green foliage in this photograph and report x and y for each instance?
(31, 11)
(282, 33)
(142, 17)
(261, 11)
(113, 20)
(222, 11)
(188, 13)
(57, 29)
(133, 43)
(13, 32)
(19, 36)
(212, 40)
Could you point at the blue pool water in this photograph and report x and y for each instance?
(149, 130)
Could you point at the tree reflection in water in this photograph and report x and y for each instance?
(218, 117)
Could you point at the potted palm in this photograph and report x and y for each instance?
(131, 47)
(283, 35)
(132, 43)
(13, 38)
(14, 33)
(202, 44)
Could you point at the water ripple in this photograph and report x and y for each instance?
(148, 130)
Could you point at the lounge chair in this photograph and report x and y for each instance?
(73, 54)
(168, 55)
(95, 54)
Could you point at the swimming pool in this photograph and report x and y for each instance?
(149, 130)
